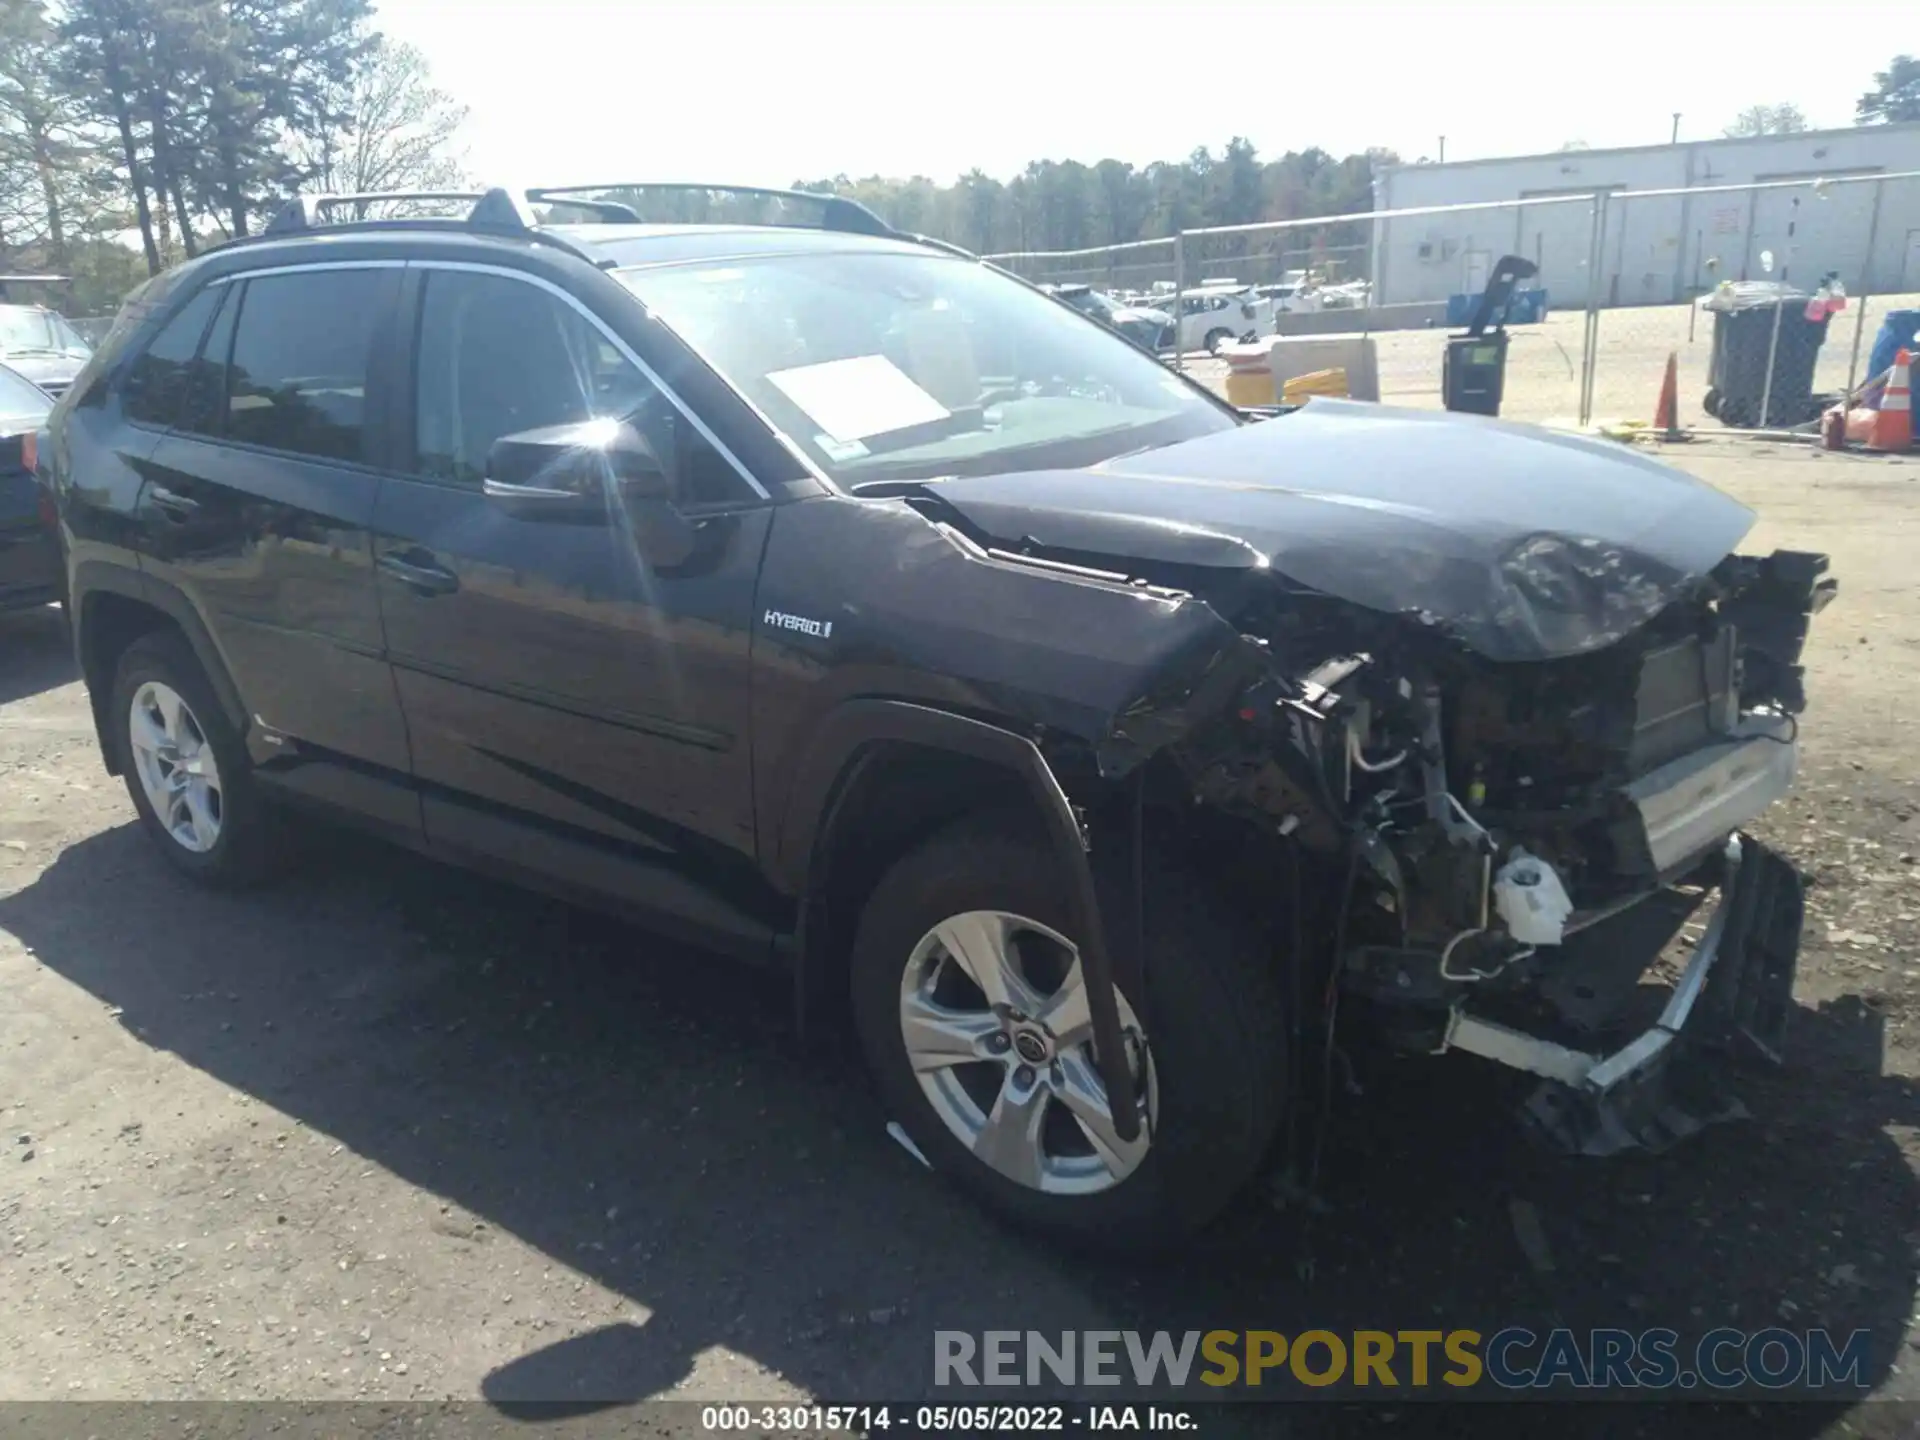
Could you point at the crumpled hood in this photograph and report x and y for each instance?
(1521, 543)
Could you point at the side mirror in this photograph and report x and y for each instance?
(565, 472)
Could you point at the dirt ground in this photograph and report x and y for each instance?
(388, 1130)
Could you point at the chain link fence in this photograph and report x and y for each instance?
(1620, 277)
(1769, 296)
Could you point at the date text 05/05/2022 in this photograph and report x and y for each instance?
(761, 1420)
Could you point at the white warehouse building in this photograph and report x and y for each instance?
(1661, 248)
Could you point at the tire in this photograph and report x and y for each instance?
(1217, 338)
(243, 843)
(1215, 1058)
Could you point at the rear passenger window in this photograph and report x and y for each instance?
(156, 389)
(205, 410)
(298, 380)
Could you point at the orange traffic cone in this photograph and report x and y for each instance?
(1666, 412)
(1893, 423)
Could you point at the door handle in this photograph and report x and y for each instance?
(179, 507)
(427, 580)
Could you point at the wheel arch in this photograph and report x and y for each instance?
(842, 825)
(111, 608)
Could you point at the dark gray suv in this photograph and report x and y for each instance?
(822, 595)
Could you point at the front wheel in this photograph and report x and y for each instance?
(1217, 338)
(971, 1006)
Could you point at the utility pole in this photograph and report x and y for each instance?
(1443, 149)
(1676, 128)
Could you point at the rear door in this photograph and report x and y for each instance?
(260, 497)
(554, 678)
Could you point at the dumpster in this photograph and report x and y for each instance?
(1523, 307)
(1743, 335)
(1899, 331)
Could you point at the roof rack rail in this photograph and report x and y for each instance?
(834, 212)
(309, 212)
(495, 210)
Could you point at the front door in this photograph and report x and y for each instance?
(555, 679)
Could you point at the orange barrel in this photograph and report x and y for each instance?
(1249, 373)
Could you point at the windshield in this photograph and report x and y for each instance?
(19, 398)
(24, 327)
(895, 367)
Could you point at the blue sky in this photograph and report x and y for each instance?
(756, 91)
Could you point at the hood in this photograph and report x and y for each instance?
(1521, 543)
(45, 370)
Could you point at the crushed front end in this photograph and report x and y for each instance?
(1516, 845)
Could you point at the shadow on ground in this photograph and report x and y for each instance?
(540, 1066)
(35, 653)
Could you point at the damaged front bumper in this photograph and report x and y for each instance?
(1733, 996)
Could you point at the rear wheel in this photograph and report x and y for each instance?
(185, 766)
(971, 1005)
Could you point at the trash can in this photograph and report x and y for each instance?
(1473, 373)
(1743, 317)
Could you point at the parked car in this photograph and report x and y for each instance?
(1149, 329)
(42, 346)
(29, 562)
(823, 596)
(1353, 295)
(1212, 316)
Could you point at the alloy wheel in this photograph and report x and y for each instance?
(994, 1016)
(176, 766)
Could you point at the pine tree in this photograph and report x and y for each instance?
(103, 57)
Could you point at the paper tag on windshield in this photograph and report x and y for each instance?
(853, 399)
(840, 450)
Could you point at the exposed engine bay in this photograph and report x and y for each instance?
(1453, 768)
(1492, 814)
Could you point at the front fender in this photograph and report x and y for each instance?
(854, 728)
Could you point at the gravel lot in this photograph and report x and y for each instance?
(389, 1131)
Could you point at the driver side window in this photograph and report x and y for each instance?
(497, 356)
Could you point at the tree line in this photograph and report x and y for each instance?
(185, 122)
(1068, 205)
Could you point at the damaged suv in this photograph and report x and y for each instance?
(1096, 752)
